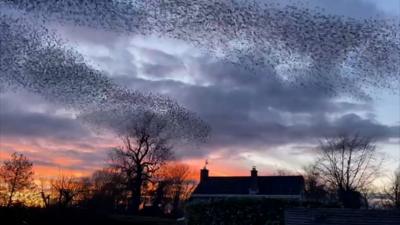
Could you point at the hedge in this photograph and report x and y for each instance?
(237, 211)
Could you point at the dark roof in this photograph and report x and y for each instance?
(267, 185)
(341, 217)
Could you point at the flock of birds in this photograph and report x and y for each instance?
(306, 47)
(36, 60)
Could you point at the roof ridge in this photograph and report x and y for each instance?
(250, 176)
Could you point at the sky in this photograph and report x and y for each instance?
(256, 119)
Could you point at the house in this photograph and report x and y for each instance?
(337, 216)
(281, 187)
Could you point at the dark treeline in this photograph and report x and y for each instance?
(142, 179)
(101, 198)
(106, 190)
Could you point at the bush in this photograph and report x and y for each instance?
(237, 211)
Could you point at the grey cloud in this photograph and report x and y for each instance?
(18, 120)
(119, 63)
(160, 57)
(251, 135)
(85, 34)
(97, 156)
(233, 89)
(43, 163)
(256, 108)
(35, 61)
(368, 127)
(258, 111)
(39, 125)
(263, 34)
(156, 70)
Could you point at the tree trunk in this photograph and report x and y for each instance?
(45, 199)
(136, 191)
(136, 196)
(397, 197)
(176, 200)
(10, 199)
(13, 188)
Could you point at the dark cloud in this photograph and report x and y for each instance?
(309, 43)
(39, 125)
(251, 111)
(34, 59)
(248, 108)
(18, 119)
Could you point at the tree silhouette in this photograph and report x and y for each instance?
(68, 189)
(348, 164)
(44, 191)
(315, 189)
(17, 174)
(147, 146)
(109, 190)
(174, 186)
(393, 192)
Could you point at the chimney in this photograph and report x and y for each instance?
(254, 184)
(254, 172)
(203, 174)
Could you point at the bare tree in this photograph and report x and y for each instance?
(348, 164)
(109, 190)
(3, 194)
(44, 190)
(66, 190)
(175, 185)
(392, 194)
(17, 174)
(315, 189)
(283, 172)
(147, 146)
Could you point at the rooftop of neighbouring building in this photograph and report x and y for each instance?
(249, 185)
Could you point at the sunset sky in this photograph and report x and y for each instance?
(255, 120)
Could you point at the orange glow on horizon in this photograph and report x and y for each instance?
(52, 172)
(64, 165)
